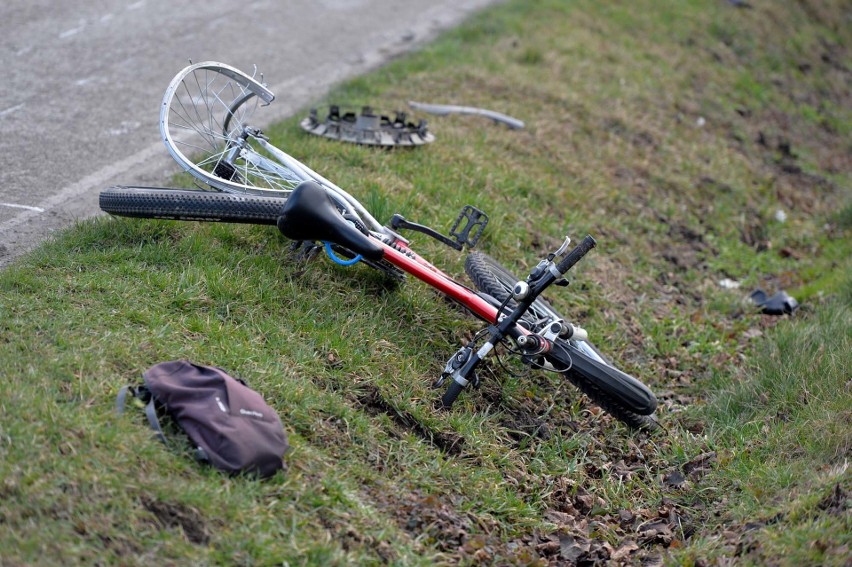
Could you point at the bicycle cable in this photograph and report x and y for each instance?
(336, 259)
(503, 365)
(540, 366)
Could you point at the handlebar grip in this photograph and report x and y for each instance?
(451, 394)
(576, 254)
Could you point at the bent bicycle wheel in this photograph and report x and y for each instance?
(204, 122)
(490, 277)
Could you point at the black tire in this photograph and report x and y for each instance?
(232, 111)
(451, 394)
(609, 405)
(493, 279)
(179, 204)
(209, 206)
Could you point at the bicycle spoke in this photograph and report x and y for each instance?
(201, 101)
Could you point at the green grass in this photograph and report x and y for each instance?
(671, 131)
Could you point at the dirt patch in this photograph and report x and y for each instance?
(835, 503)
(374, 403)
(351, 539)
(523, 426)
(170, 516)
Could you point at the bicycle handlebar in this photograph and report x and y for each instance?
(576, 254)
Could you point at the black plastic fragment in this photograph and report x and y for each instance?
(779, 304)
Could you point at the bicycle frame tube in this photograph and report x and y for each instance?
(424, 271)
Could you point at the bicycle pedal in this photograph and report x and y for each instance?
(475, 222)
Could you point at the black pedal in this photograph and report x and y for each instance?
(475, 221)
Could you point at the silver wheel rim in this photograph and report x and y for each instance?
(196, 105)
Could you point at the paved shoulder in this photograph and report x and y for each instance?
(83, 83)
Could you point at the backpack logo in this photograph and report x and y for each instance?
(251, 413)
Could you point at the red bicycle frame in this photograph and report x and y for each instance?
(411, 263)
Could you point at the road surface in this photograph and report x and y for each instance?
(83, 80)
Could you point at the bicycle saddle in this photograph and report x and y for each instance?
(310, 214)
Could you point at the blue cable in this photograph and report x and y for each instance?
(338, 260)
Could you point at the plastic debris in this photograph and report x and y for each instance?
(728, 283)
(368, 128)
(444, 109)
(780, 215)
(779, 304)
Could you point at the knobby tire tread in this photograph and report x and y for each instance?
(609, 405)
(179, 204)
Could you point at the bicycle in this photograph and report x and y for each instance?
(204, 124)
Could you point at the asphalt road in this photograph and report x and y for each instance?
(83, 80)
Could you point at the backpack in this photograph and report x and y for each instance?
(230, 425)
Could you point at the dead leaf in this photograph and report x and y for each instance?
(625, 549)
(674, 479)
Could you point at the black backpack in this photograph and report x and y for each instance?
(230, 425)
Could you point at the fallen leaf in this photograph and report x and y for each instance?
(625, 549)
(674, 478)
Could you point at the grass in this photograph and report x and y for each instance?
(672, 131)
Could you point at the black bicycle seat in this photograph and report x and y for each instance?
(310, 214)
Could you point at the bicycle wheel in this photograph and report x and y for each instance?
(180, 204)
(490, 277)
(204, 122)
(210, 206)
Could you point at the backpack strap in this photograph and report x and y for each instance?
(121, 400)
(141, 393)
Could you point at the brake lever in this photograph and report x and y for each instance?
(561, 250)
(547, 262)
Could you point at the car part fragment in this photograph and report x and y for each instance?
(444, 109)
(368, 128)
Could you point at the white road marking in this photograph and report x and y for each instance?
(86, 184)
(12, 109)
(14, 206)
(72, 31)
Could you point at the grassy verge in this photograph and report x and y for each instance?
(672, 131)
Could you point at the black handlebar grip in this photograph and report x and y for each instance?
(451, 394)
(574, 255)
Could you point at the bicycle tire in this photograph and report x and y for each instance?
(490, 277)
(232, 111)
(610, 405)
(189, 205)
(209, 206)
(196, 106)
